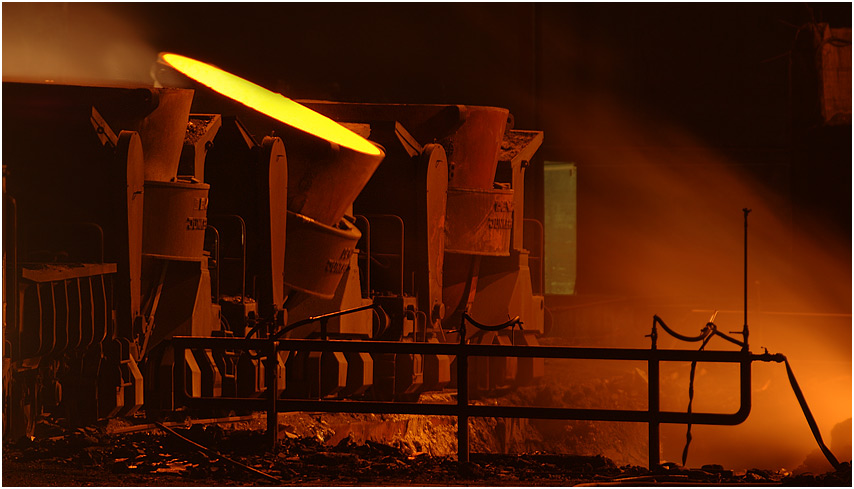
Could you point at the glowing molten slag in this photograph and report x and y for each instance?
(270, 103)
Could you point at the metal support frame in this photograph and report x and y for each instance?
(541, 255)
(462, 410)
(397, 220)
(237, 218)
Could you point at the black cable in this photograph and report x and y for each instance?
(688, 436)
(810, 420)
(726, 337)
(278, 334)
(706, 334)
(706, 331)
(497, 327)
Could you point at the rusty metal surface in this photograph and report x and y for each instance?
(47, 272)
(162, 132)
(316, 255)
(473, 148)
(198, 140)
(174, 220)
(324, 180)
(479, 221)
(519, 146)
(470, 134)
(62, 313)
(504, 289)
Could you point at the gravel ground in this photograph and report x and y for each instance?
(243, 457)
(380, 450)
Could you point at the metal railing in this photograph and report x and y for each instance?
(462, 409)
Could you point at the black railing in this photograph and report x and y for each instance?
(653, 416)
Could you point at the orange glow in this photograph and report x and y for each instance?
(270, 103)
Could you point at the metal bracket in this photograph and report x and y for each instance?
(105, 134)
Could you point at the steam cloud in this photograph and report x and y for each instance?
(661, 216)
(72, 43)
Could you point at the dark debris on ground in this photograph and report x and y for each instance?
(156, 458)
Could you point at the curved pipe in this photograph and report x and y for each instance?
(706, 331)
(735, 418)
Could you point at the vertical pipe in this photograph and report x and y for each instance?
(272, 389)
(745, 331)
(462, 398)
(746, 394)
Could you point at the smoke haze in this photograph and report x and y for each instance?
(73, 43)
(659, 212)
(660, 220)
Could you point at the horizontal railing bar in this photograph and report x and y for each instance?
(565, 352)
(428, 409)
(531, 412)
(461, 409)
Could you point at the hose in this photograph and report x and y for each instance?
(278, 334)
(688, 436)
(705, 335)
(706, 331)
(498, 327)
(810, 419)
(801, 400)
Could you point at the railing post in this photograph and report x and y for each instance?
(272, 371)
(462, 398)
(654, 424)
(654, 400)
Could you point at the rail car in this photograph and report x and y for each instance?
(130, 219)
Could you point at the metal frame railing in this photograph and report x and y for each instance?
(269, 347)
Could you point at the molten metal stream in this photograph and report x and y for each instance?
(270, 103)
